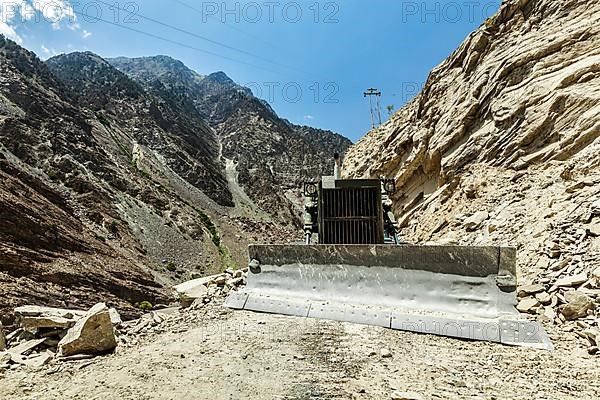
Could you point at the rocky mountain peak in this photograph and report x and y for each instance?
(268, 156)
(92, 80)
(23, 60)
(163, 68)
(220, 77)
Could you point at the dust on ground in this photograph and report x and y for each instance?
(216, 353)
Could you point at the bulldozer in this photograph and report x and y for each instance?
(353, 267)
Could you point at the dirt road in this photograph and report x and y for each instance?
(218, 354)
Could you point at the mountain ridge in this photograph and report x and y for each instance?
(264, 147)
(120, 188)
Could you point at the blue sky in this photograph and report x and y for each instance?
(312, 60)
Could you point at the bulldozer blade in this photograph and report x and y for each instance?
(462, 292)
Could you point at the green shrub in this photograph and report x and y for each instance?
(171, 267)
(113, 227)
(210, 227)
(53, 175)
(103, 120)
(216, 239)
(145, 305)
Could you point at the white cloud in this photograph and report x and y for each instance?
(48, 52)
(9, 32)
(55, 12)
(309, 117)
(86, 34)
(9, 11)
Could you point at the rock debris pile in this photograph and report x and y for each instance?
(199, 299)
(46, 333)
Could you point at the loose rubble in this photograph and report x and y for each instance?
(196, 297)
(578, 305)
(558, 251)
(201, 290)
(47, 334)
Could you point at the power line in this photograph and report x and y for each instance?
(227, 25)
(175, 42)
(197, 36)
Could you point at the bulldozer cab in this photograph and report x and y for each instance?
(349, 211)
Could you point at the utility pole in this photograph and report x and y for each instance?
(370, 93)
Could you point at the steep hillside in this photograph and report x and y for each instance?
(107, 193)
(181, 138)
(502, 146)
(59, 230)
(113, 189)
(262, 150)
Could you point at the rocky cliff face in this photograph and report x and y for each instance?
(502, 145)
(263, 151)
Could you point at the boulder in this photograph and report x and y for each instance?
(385, 353)
(549, 314)
(32, 323)
(39, 360)
(577, 306)
(32, 362)
(238, 274)
(189, 297)
(37, 311)
(553, 249)
(596, 207)
(92, 334)
(593, 230)
(115, 317)
(570, 281)
(593, 336)
(528, 304)
(527, 290)
(194, 283)
(575, 187)
(26, 346)
(476, 220)
(544, 298)
(235, 282)
(220, 280)
(197, 288)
